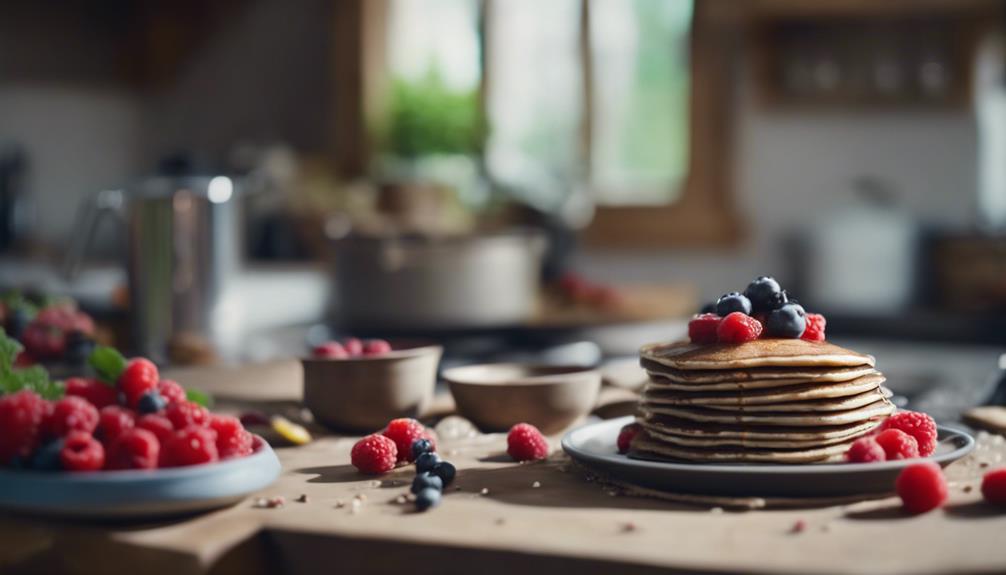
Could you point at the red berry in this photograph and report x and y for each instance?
(897, 444)
(92, 390)
(702, 328)
(403, 432)
(815, 327)
(157, 424)
(133, 449)
(45, 336)
(70, 414)
(376, 347)
(374, 454)
(917, 424)
(187, 413)
(865, 450)
(233, 440)
(354, 347)
(21, 416)
(330, 350)
(994, 486)
(139, 377)
(81, 452)
(525, 443)
(626, 435)
(112, 422)
(921, 487)
(738, 327)
(191, 446)
(171, 391)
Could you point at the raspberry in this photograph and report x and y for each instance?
(921, 487)
(21, 416)
(330, 350)
(171, 391)
(525, 443)
(374, 454)
(626, 435)
(403, 432)
(159, 425)
(865, 450)
(702, 328)
(139, 377)
(738, 328)
(112, 422)
(897, 444)
(45, 337)
(376, 347)
(186, 413)
(232, 438)
(133, 449)
(99, 394)
(917, 424)
(353, 346)
(70, 414)
(815, 327)
(994, 486)
(81, 452)
(191, 446)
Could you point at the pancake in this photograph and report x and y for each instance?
(815, 405)
(659, 436)
(647, 448)
(795, 374)
(878, 408)
(686, 428)
(758, 353)
(803, 392)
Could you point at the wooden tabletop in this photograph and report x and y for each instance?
(504, 517)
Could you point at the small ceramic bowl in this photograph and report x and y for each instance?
(496, 396)
(364, 393)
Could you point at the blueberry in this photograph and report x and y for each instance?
(18, 320)
(421, 446)
(427, 498)
(708, 308)
(445, 471)
(788, 321)
(151, 402)
(46, 458)
(426, 480)
(761, 291)
(731, 302)
(780, 299)
(78, 348)
(426, 462)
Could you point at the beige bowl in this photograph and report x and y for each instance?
(364, 393)
(496, 396)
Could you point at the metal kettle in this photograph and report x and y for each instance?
(184, 238)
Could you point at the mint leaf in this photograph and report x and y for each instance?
(9, 348)
(108, 363)
(34, 378)
(201, 397)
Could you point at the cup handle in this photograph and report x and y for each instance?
(92, 211)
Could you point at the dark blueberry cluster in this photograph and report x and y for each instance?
(432, 475)
(765, 299)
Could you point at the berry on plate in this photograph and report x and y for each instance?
(760, 293)
(186, 413)
(139, 377)
(193, 445)
(159, 425)
(921, 487)
(133, 449)
(702, 328)
(70, 414)
(94, 391)
(788, 321)
(994, 486)
(171, 391)
(81, 452)
(626, 435)
(404, 432)
(21, 416)
(815, 327)
(865, 450)
(232, 438)
(917, 424)
(733, 302)
(112, 422)
(526, 443)
(151, 402)
(374, 454)
(897, 444)
(738, 328)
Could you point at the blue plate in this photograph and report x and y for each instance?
(593, 446)
(135, 493)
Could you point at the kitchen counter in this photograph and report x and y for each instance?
(496, 520)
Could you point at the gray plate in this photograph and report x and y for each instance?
(136, 494)
(593, 446)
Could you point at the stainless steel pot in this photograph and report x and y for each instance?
(479, 280)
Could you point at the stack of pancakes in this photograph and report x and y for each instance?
(768, 400)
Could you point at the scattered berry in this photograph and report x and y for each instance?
(865, 450)
(733, 302)
(445, 471)
(171, 391)
(186, 413)
(760, 293)
(151, 402)
(702, 328)
(427, 498)
(403, 432)
(330, 350)
(421, 446)
(815, 327)
(139, 377)
(253, 418)
(70, 414)
(193, 445)
(94, 391)
(917, 424)
(353, 346)
(81, 452)
(232, 438)
(788, 321)
(427, 462)
(374, 454)
(626, 435)
(133, 449)
(376, 347)
(897, 444)
(112, 422)
(994, 486)
(426, 480)
(21, 415)
(159, 425)
(526, 443)
(738, 328)
(47, 457)
(921, 487)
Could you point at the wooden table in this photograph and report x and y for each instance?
(504, 517)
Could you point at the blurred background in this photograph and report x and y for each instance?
(552, 181)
